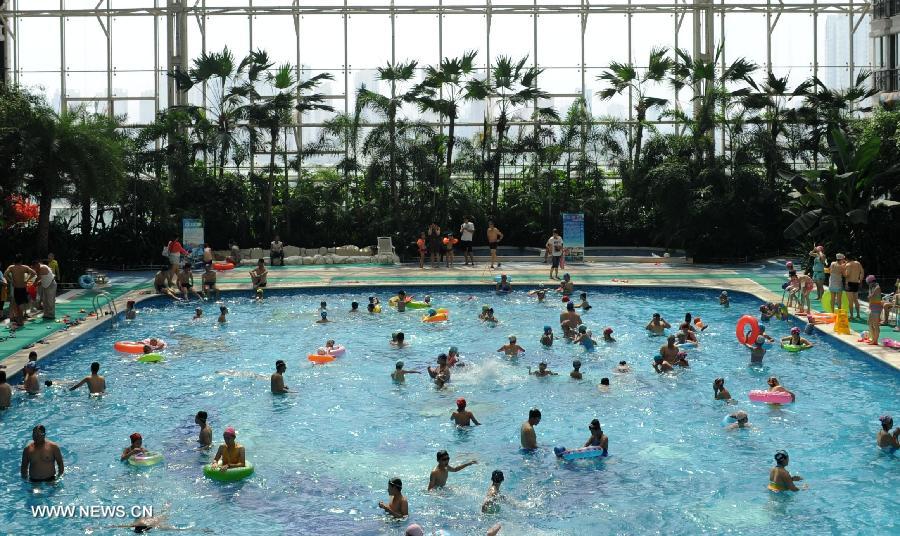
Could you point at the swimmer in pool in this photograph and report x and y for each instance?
(584, 305)
(540, 292)
(512, 349)
(491, 505)
(148, 523)
(607, 335)
(489, 316)
(779, 477)
(723, 299)
(604, 385)
(681, 360)
(576, 370)
(757, 352)
(222, 312)
(399, 374)
(443, 469)
(323, 318)
(230, 454)
(795, 339)
(503, 285)
(887, 439)
(401, 301)
(354, 307)
(740, 420)
(277, 379)
(719, 390)
(660, 365)
(687, 332)
(130, 313)
(198, 314)
(440, 373)
(598, 438)
(569, 321)
(547, 336)
(668, 351)
(462, 416)
(585, 338)
(260, 296)
(5, 391)
(205, 437)
(40, 457)
(136, 447)
(527, 436)
(453, 358)
(484, 312)
(398, 507)
(776, 387)
(32, 383)
(542, 371)
(658, 325)
(623, 368)
(398, 340)
(95, 382)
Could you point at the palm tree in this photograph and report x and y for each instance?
(388, 107)
(442, 92)
(228, 89)
(341, 133)
(510, 86)
(626, 78)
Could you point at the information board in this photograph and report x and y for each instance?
(573, 235)
(191, 233)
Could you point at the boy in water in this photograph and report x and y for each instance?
(623, 368)
(887, 439)
(323, 318)
(354, 307)
(95, 382)
(398, 507)
(584, 305)
(398, 340)
(757, 352)
(462, 416)
(607, 335)
(576, 370)
(440, 473)
(440, 373)
(547, 337)
(198, 314)
(399, 374)
(584, 338)
(540, 292)
(542, 371)
(512, 349)
(222, 312)
(130, 313)
(136, 447)
(723, 299)
(660, 366)
(205, 438)
(209, 283)
(491, 500)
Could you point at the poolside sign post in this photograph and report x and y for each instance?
(573, 235)
(192, 233)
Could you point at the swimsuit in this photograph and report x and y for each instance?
(776, 487)
(20, 295)
(492, 245)
(48, 479)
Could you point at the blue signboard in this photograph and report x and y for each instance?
(573, 235)
(192, 233)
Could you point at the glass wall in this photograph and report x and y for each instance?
(113, 56)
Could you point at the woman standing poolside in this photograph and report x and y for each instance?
(819, 264)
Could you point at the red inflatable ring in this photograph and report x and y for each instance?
(222, 266)
(129, 347)
(741, 329)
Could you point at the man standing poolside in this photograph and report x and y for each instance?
(46, 282)
(95, 382)
(278, 386)
(555, 247)
(18, 274)
(40, 456)
(467, 231)
(527, 435)
(494, 236)
(853, 274)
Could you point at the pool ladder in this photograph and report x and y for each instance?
(98, 303)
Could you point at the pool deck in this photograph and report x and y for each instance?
(763, 279)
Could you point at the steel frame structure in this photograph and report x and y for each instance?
(173, 17)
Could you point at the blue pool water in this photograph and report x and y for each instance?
(324, 455)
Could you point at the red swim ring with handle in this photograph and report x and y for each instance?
(741, 329)
(222, 266)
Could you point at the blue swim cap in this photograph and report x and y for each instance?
(547, 328)
(432, 312)
(559, 451)
(658, 358)
(453, 350)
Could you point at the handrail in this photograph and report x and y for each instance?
(97, 303)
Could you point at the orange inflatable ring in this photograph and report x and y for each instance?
(320, 359)
(160, 344)
(222, 266)
(440, 317)
(821, 318)
(741, 329)
(447, 241)
(129, 347)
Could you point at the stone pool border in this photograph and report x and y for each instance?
(58, 340)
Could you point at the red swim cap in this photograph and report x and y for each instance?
(135, 437)
(460, 402)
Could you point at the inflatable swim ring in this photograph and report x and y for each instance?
(229, 475)
(393, 301)
(439, 317)
(129, 347)
(795, 347)
(320, 359)
(580, 453)
(417, 305)
(771, 397)
(146, 459)
(86, 282)
(891, 343)
(821, 318)
(687, 344)
(222, 266)
(151, 358)
(336, 351)
(826, 301)
(740, 329)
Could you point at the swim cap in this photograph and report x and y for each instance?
(432, 312)
(780, 456)
(485, 307)
(460, 403)
(570, 306)
(760, 340)
(453, 350)
(789, 264)
(607, 331)
(442, 357)
(724, 293)
(135, 437)
(559, 451)
(547, 328)
(399, 364)
(795, 331)
(658, 358)
(230, 432)
(870, 278)
(497, 476)
(565, 299)
(414, 530)
(396, 482)
(840, 256)
(582, 328)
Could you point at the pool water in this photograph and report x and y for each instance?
(323, 455)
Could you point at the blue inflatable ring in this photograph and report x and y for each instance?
(86, 282)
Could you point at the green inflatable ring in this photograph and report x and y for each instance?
(145, 460)
(795, 347)
(826, 301)
(151, 358)
(229, 475)
(417, 305)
